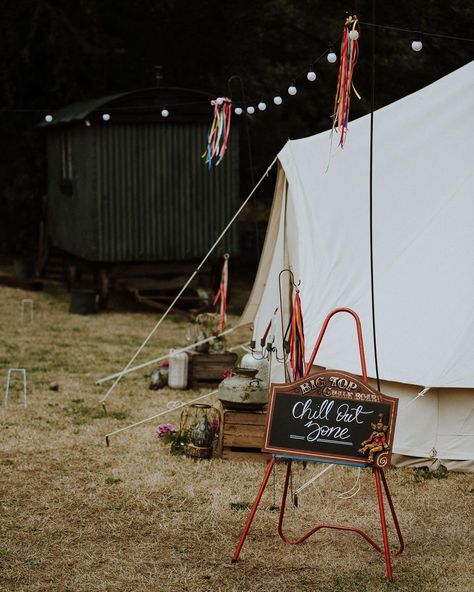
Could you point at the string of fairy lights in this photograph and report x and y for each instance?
(251, 107)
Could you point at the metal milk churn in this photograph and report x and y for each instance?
(178, 370)
(243, 389)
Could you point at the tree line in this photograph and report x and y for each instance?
(55, 52)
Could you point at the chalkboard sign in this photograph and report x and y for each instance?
(331, 416)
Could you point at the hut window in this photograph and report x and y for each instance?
(66, 157)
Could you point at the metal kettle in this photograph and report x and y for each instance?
(242, 388)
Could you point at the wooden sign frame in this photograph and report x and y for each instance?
(331, 416)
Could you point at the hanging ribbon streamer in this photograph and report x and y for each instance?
(218, 136)
(270, 330)
(222, 295)
(348, 60)
(296, 341)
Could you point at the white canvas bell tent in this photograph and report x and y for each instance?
(423, 229)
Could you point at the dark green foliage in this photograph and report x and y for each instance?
(113, 481)
(238, 506)
(33, 561)
(82, 414)
(424, 473)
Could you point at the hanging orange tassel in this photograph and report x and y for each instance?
(222, 295)
(297, 344)
(348, 60)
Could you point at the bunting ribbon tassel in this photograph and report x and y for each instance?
(348, 60)
(219, 130)
(296, 341)
(222, 295)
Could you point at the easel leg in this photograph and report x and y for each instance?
(256, 502)
(383, 524)
(394, 515)
(283, 503)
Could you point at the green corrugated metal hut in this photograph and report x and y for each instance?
(134, 188)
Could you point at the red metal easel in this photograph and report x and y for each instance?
(378, 472)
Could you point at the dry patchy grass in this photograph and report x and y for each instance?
(77, 516)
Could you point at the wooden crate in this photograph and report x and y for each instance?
(207, 370)
(241, 435)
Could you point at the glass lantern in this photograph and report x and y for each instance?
(199, 428)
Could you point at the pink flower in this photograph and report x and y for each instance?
(164, 428)
(215, 424)
(227, 372)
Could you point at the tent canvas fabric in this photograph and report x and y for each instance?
(423, 245)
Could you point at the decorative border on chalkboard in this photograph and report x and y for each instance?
(354, 389)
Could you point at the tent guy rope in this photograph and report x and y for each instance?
(310, 482)
(193, 275)
(354, 490)
(161, 413)
(420, 394)
(172, 406)
(166, 356)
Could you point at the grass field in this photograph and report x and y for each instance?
(78, 516)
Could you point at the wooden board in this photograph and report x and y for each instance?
(246, 436)
(22, 283)
(208, 369)
(241, 434)
(249, 418)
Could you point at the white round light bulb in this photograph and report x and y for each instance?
(250, 110)
(48, 118)
(262, 106)
(354, 35)
(277, 100)
(292, 90)
(238, 110)
(331, 57)
(106, 117)
(311, 76)
(165, 113)
(416, 45)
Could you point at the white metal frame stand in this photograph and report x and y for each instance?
(22, 309)
(7, 388)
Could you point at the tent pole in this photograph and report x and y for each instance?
(372, 107)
